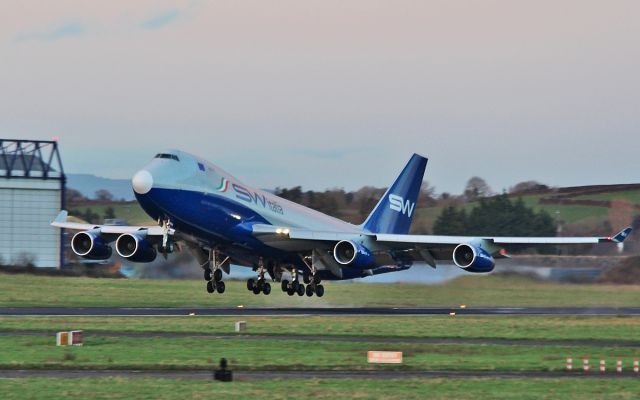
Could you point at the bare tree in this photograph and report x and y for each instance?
(104, 195)
(476, 188)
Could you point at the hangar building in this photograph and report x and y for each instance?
(32, 185)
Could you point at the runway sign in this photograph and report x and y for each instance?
(73, 338)
(384, 357)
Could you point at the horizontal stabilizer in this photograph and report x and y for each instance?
(622, 235)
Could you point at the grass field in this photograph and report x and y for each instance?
(545, 340)
(474, 291)
(473, 389)
(433, 326)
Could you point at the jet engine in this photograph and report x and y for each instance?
(90, 245)
(347, 252)
(473, 259)
(134, 247)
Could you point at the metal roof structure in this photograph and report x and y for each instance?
(30, 159)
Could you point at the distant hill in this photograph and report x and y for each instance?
(87, 184)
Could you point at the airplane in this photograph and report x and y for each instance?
(223, 221)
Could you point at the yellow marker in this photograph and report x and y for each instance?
(463, 306)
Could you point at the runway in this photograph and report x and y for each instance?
(297, 374)
(295, 311)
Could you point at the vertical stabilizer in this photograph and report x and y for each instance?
(395, 210)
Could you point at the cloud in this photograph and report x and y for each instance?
(162, 19)
(57, 31)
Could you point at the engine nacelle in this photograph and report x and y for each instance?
(347, 252)
(473, 259)
(90, 245)
(135, 248)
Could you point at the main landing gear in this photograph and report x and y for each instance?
(296, 287)
(213, 273)
(259, 285)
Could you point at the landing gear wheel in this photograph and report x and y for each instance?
(306, 278)
(319, 290)
(309, 290)
(207, 274)
(284, 285)
(294, 285)
(316, 280)
(251, 283)
(291, 292)
(256, 289)
(217, 275)
(210, 287)
(220, 287)
(266, 289)
(300, 290)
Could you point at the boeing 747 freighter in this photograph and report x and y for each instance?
(223, 221)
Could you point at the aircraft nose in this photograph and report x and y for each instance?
(142, 181)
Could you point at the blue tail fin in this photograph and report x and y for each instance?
(394, 211)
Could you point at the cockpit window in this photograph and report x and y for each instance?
(166, 155)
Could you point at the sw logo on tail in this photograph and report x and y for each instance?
(397, 203)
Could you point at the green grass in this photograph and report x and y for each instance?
(460, 326)
(632, 196)
(131, 211)
(152, 352)
(474, 291)
(446, 389)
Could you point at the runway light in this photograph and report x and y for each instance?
(286, 231)
(192, 314)
(240, 306)
(452, 313)
(463, 306)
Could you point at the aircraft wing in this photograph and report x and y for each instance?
(61, 222)
(455, 240)
(303, 239)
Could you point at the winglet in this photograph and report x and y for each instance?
(62, 217)
(622, 235)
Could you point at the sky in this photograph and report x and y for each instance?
(329, 93)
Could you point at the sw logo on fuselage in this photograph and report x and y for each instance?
(397, 203)
(244, 194)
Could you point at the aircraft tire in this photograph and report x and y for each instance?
(207, 274)
(256, 289)
(319, 290)
(294, 286)
(300, 290)
(220, 286)
(309, 290)
(291, 292)
(251, 283)
(266, 289)
(217, 275)
(210, 287)
(306, 278)
(284, 285)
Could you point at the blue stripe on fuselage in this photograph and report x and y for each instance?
(206, 216)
